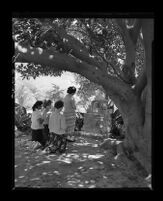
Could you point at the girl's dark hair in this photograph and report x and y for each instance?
(59, 104)
(71, 90)
(47, 103)
(36, 105)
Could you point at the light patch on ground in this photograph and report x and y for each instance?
(65, 40)
(66, 160)
(91, 56)
(95, 156)
(34, 179)
(51, 57)
(40, 50)
(44, 162)
(69, 171)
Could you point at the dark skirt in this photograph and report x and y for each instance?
(37, 135)
(57, 143)
(46, 133)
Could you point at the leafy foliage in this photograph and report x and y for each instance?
(100, 36)
(31, 70)
(140, 57)
(55, 93)
(27, 92)
(87, 88)
(22, 119)
(24, 92)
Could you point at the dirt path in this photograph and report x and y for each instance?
(84, 165)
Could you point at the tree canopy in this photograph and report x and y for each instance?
(96, 41)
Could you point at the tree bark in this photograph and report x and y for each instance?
(138, 122)
(137, 141)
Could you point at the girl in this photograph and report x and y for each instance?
(57, 128)
(37, 123)
(69, 112)
(45, 114)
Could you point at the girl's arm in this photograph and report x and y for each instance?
(40, 118)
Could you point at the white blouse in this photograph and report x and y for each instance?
(69, 104)
(45, 115)
(35, 122)
(57, 123)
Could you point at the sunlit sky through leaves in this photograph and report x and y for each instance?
(45, 82)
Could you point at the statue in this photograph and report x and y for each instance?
(97, 119)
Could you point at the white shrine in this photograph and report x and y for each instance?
(97, 119)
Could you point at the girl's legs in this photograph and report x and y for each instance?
(58, 144)
(63, 143)
(33, 135)
(37, 136)
(53, 143)
(71, 134)
(40, 137)
(46, 134)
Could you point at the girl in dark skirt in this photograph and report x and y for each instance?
(47, 107)
(37, 123)
(57, 128)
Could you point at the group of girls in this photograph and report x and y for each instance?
(54, 129)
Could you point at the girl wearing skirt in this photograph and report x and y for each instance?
(57, 128)
(69, 113)
(37, 123)
(46, 114)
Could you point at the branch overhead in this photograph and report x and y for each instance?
(67, 51)
(66, 62)
(70, 44)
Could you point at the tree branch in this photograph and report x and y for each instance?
(77, 30)
(77, 48)
(135, 31)
(129, 45)
(66, 62)
(91, 35)
(141, 83)
(60, 61)
(148, 37)
(142, 80)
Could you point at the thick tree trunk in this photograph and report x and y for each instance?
(138, 132)
(136, 113)
(137, 122)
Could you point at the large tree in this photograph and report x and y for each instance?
(113, 53)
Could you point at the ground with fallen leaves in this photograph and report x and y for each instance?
(84, 165)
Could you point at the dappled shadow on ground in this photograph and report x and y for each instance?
(84, 165)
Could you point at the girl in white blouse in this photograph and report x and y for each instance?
(37, 123)
(57, 128)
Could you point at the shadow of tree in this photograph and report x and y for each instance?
(84, 165)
